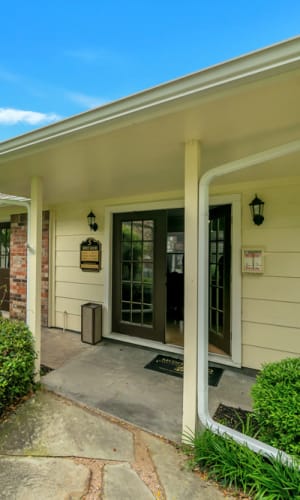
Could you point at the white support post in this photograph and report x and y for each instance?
(192, 172)
(34, 267)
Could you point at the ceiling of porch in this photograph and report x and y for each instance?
(145, 153)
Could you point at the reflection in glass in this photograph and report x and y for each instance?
(137, 250)
(148, 251)
(147, 316)
(137, 230)
(126, 250)
(136, 313)
(147, 273)
(137, 271)
(147, 296)
(126, 271)
(148, 230)
(126, 230)
(126, 316)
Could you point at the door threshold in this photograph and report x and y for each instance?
(152, 344)
(222, 359)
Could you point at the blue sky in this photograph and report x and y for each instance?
(60, 58)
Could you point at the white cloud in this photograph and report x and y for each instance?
(85, 100)
(11, 116)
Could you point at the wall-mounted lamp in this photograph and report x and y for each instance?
(257, 210)
(91, 221)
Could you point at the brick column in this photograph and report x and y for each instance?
(18, 267)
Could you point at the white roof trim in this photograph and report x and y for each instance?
(271, 60)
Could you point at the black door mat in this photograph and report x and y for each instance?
(174, 366)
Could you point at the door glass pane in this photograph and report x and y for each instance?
(147, 296)
(137, 250)
(136, 313)
(148, 251)
(126, 271)
(137, 271)
(126, 288)
(125, 312)
(148, 230)
(147, 316)
(137, 230)
(137, 293)
(126, 250)
(147, 273)
(126, 230)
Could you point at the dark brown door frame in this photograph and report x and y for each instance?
(220, 282)
(157, 330)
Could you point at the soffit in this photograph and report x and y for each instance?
(147, 154)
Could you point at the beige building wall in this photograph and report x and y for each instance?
(74, 287)
(270, 302)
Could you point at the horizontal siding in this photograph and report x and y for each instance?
(67, 259)
(283, 239)
(273, 337)
(282, 264)
(255, 357)
(75, 287)
(76, 275)
(84, 292)
(272, 288)
(71, 306)
(68, 321)
(71, 243)
(271, 301)
(268, 312)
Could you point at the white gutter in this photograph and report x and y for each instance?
(203, 413)
(271, 60)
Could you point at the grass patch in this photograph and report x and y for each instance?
(236, 466)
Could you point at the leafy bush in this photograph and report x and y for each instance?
(17, 357)
(276, 403)
(236, 466)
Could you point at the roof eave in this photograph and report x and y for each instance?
(270, 60)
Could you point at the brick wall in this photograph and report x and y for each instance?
(18, 267)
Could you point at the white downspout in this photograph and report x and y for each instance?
(203, 413)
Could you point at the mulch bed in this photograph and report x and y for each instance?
(235, 418)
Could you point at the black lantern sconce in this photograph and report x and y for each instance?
(257, 210)
(91, 221)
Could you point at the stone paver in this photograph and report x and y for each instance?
(179, 483)
(121, 482)
(42, 479)
(47, 425)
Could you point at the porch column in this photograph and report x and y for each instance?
(34, 266)
(191, 180)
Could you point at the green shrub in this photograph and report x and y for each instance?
(276, 403)
(17, 357)
(236, 466)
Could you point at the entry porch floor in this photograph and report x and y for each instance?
(110, 376)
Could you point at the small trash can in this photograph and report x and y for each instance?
(91, 323)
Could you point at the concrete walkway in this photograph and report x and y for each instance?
(53, 448)
(111, 377)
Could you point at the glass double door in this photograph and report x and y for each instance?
(219, 279)
(148, 276)
(139, 274)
